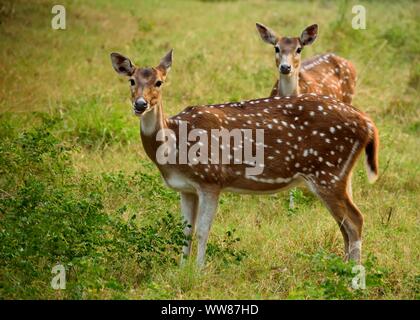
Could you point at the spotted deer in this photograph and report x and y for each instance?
(325, 74)
(306, 138)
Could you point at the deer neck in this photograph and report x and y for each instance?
(150, 124)
(288, 85)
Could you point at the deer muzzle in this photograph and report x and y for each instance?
(140, 105)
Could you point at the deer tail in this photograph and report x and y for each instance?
(371, 150)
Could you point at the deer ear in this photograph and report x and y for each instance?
(309, 35)
(266, 34)
(166, 62)
(121, 64)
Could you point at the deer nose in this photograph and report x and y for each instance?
(285, 68)
(140, 104)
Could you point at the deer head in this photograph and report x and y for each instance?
(145, 83)
(288, 50)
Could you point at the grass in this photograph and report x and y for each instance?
(62, 82)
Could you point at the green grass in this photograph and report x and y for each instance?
(86, 195)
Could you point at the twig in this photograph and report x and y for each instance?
(384, 171)
(391, 209)
(6, 193)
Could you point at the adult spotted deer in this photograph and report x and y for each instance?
(306, 138)
(326, 74)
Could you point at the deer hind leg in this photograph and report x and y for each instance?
(207, 207)
(345, 237)
(189, 203)
(349, 191)
(356, 218)
(348, 217)
(354, 227)
(349, 188)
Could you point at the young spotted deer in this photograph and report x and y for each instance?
(304, 138)
(326, 74)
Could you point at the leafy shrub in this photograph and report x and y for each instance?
(300, 198)
(47, 216)
(335, 278)
(226, 250)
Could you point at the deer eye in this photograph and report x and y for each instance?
(299, 50)
(277, 49)
(158, 83)
(132, 82)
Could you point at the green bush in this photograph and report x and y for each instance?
(335, 278)
(47, 216)
(226, 249)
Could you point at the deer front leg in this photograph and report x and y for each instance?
(207, 207)
(189, 202)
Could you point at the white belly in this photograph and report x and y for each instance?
(179, 182)
(250, 191)
(291, 184)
